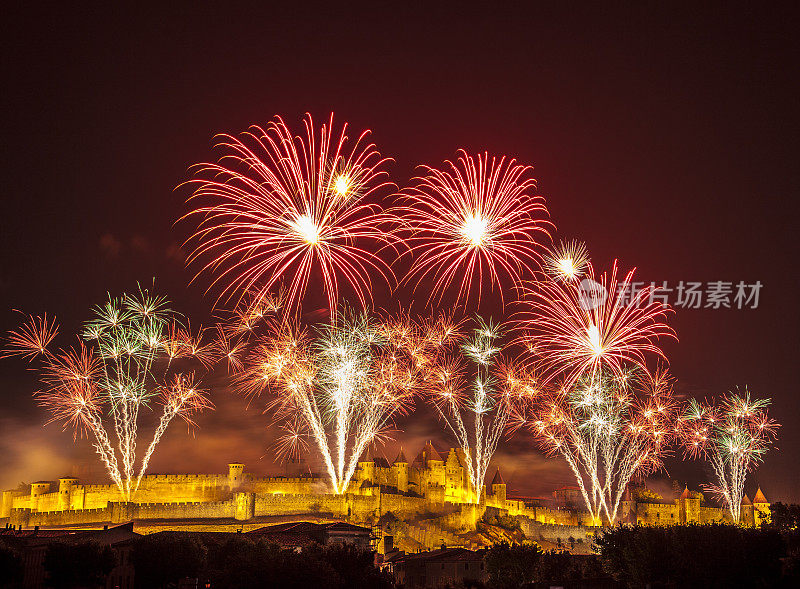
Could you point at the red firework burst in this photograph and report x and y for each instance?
(278, 207)
(32, 338)
(478, 220)
(70, 393)
(580, 327)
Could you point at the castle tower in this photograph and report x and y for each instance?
(761, 511)
(689, 507)
(366, 466)
(435, 465)
(245, 506)
(400, 467)
(499, 488)
(428, 473)
(627, 508)
(38, 489)
(6, 501)
(65, 485)
(454, 476)
(746, 514)
(235, 475)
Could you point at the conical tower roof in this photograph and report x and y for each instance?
(759, 498)
(368, 455)
(746, 500)
(498, 479)
(426, 454)
(401, 457)
(686, 494)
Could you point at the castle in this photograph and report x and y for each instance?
(432, 495)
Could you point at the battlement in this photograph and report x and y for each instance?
(182, 477)
(423, 490)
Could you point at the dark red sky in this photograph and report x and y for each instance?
(665, 137)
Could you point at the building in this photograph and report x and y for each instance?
(436, 568)
(297, 535)
(32, 545)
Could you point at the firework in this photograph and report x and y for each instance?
(592, 326)
(473, 224)
(733, 435)
(340, 391)
(32, 337)
(476, 411)
(568, 261)
(609, 428)
(124, 363)
(280, 208)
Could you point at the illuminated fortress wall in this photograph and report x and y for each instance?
(432, 487)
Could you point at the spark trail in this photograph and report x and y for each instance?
(125, 360)
(477, 412)
(340, 390)
(608, 428)
(733, 435)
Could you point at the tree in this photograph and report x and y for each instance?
(83, 566)
(715, 555)
(165, 558)
(355, 565)
(784, 517)
(241, 563)
(509, 567)
(557, 566)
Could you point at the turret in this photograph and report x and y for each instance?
(627, 508)
(6, 502)
(689, 507)
(38, 489)
(235, 475)
(746, 512)
(454, 474)
(435, 464)
(366, 466)
(761, 512)
(245, 506)
(400, 467)
(499, 488)
(65, 485)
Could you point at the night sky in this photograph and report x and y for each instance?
(662, 137)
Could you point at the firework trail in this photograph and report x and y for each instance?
(340, 390)
(125, 354)
(474, 222)
(733, 435)
(278, 209)
(477, 412)
(608, 428)
(587, 326)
